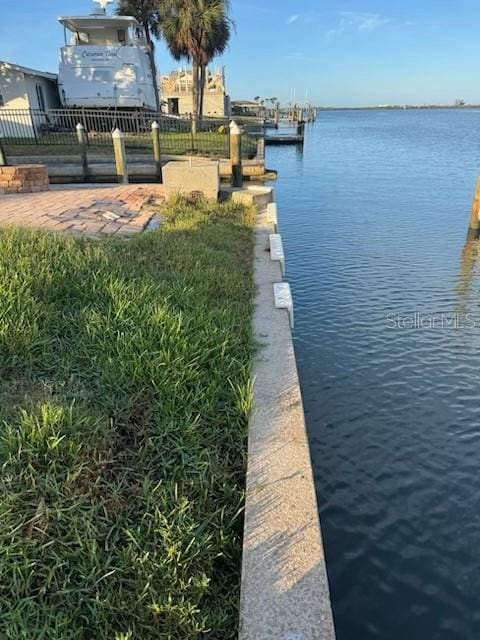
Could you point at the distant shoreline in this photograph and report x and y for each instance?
(402, 107)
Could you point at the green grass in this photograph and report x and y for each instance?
(174, 143)
(124, 397)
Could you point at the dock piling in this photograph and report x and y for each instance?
(120, 156)
(474, 224)
(277, 117)
(156, 150)
(301, 129)
(236, 154)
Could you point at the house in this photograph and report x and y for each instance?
(26, 96)
(176, 93)
(246, 108)
(24, 88)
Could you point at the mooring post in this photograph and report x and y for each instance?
(3, 155)
(82, 141)
(156, 149)
(120, 156)
(261, 148)
(301, 129)
(277, 117)
(236, 154)
(474, 224)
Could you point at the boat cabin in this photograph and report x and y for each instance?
(105, 62)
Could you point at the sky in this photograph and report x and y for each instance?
(332, 52)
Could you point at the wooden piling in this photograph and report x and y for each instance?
(301, 129)
(120, 156)
(261, 148)
(474, 224)
(236, 154)
(277, 117)
(156, 150)
(82, 141)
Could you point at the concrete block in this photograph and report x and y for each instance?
(191, 179)
(259, 196)
(283, 299)
(272, 215)
(276, 250)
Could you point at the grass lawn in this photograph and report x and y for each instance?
(124, 397)
(174, 143)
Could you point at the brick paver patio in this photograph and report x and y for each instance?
(91, 211)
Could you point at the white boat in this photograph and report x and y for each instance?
(106, 62)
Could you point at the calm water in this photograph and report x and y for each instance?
(374, 217)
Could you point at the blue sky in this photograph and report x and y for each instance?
(340, 52)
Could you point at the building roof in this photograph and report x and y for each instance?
(245, 103)
(27, 71)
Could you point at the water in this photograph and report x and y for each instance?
(374, 217)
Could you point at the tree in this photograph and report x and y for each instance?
(214, 43)
(197, 30)
(147, 12)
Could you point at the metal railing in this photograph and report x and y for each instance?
(21, 128)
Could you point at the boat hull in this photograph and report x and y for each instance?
(106, 76)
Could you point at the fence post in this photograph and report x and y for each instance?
(83, 150)
(156, 149)
(192, 132)
(3, 156)
(120, 156)
(34, 125)
(236, 154)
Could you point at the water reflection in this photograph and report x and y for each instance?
(469, 269)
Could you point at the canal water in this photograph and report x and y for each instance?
(374, 216)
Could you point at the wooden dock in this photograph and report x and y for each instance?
(287, 135)
(280, 139)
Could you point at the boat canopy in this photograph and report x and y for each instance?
(88, 23)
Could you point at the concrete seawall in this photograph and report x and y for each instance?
(285, 593)
(69, 169)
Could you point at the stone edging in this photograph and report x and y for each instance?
(284, 591)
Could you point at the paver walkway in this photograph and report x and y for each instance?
(84, 210)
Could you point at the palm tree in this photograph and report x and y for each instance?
(273, 101)
(148, 15)
(214, 43)
(197, 30)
